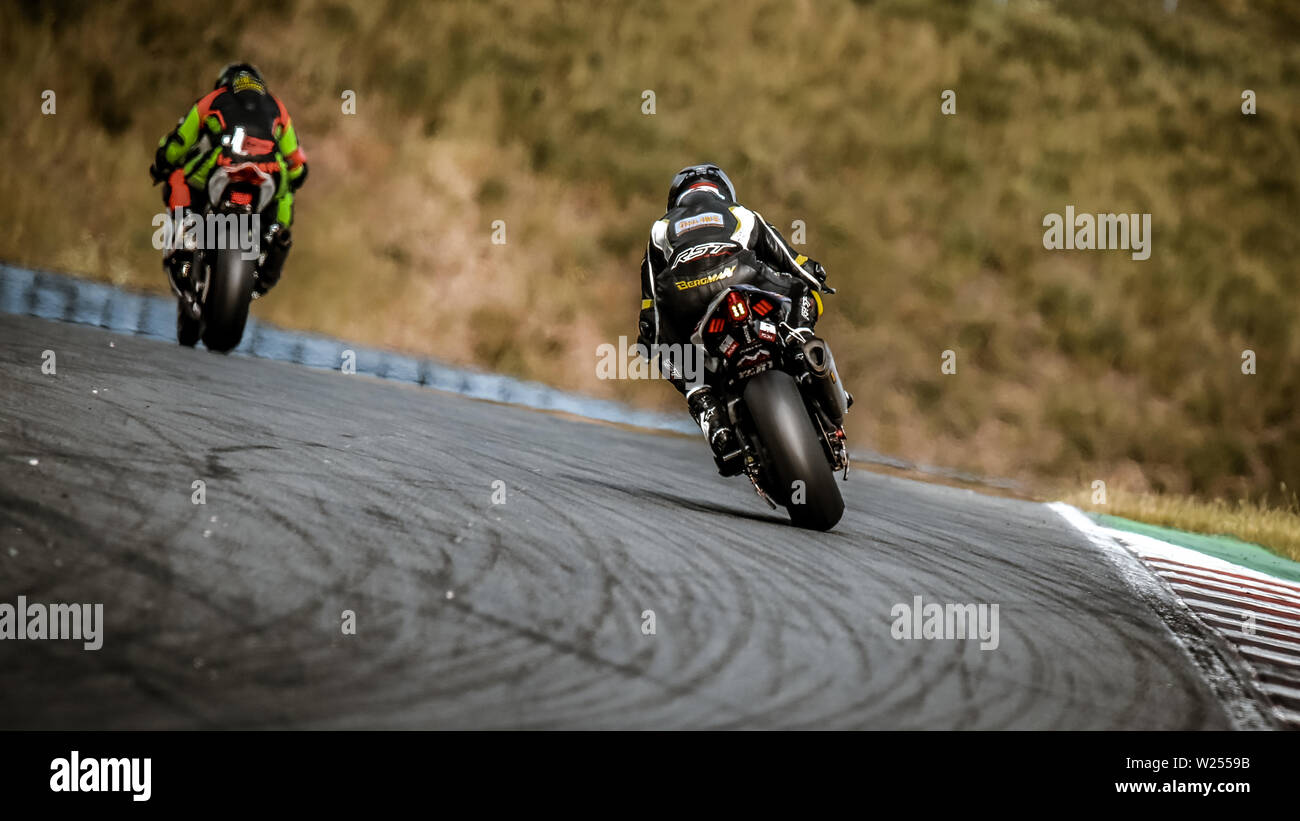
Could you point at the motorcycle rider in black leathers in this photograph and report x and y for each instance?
(703, 227)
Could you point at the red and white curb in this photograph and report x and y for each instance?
(1258, 615)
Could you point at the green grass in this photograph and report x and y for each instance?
(1276, 527)
(1072, 366)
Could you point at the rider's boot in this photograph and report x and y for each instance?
(712, 419)
(277, 243)
(179, 265)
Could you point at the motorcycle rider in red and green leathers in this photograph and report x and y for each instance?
(188, 153)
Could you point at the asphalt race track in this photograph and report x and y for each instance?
(328, 492)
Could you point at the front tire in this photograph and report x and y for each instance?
(793, 451)
(225, 306)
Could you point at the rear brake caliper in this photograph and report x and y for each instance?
(842, 451)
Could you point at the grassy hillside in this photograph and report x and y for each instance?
(1072, 365)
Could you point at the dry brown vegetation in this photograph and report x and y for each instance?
(1071, 365)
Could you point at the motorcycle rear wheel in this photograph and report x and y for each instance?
(793, 452)
(225, 306)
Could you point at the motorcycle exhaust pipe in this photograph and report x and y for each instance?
(826, 379)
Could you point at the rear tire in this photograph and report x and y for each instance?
(225, 308)
(793, 450)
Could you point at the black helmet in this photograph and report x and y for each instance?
(704, 173)
(233, 70)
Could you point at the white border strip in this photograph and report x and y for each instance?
(1145, 546)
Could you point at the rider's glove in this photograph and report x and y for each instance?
(815, 268)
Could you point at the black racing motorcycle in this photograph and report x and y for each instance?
(225, 264)
(224, 276)
(783, 397)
